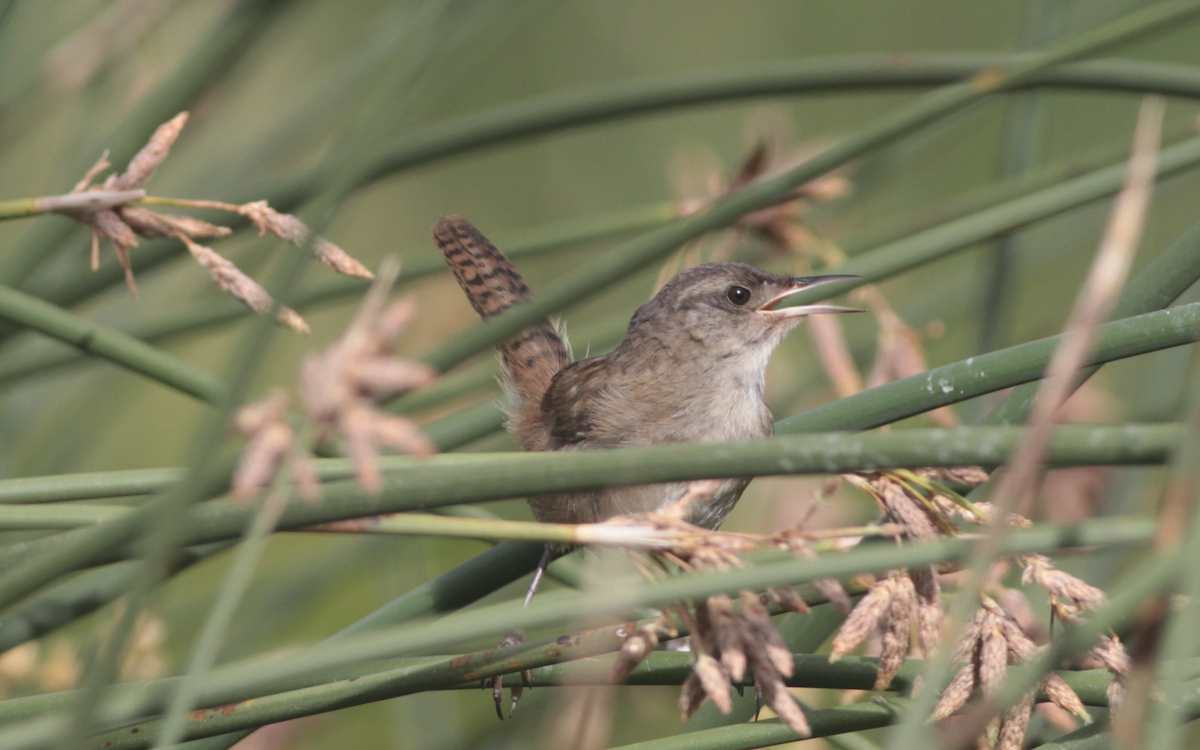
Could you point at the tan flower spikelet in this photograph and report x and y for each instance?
(993, 658)
(241, 286)
(763, 634)
(789, 600)
(895, 629)
(1039, 570)
(714, 681)
(1069, 599)
(795, 541)
(775, 695)
(903, 508)
(956, 693)
(290, 229)
(863, 619)
(1064, 697)
(691, 695)
(272, 442)
(778, 225)
(341, 386)
(146, 223)
(727, 644)
(991, 642)
(142, 165)
(640, 642)
(929, 612)
(1014, 723)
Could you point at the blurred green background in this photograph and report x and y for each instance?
(312, 77)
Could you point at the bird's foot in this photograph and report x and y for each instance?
(512, 639)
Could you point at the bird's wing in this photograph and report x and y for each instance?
(575, 395)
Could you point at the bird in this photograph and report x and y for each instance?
(690, 368)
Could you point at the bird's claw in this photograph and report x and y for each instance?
(512, 639)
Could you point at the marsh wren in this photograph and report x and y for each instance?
(691, 368)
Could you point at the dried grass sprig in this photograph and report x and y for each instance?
(115, 211)
(341, 387)
(340, 391)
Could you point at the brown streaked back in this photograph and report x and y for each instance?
(532, 357)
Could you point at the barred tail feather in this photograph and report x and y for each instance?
(532, 357)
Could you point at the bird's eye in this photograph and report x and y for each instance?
(738, 295)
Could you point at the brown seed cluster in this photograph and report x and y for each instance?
(1070, 598)
(340, 392)
(729, 642)
(118, 213)
(904, 601)
(992, 641)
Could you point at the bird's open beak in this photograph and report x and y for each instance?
(798, 311)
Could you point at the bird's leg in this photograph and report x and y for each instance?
(517, 637)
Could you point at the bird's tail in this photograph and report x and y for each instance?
(532, 357)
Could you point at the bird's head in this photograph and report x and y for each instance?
(727, 308)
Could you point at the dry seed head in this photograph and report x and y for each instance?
(290, 229)
(761, 631)
(339, 386)
(895, 627)
(895, 499)
(834, 593)
(993, 658)
(142, 165)
(714, 681)
(1112, 655)
(863, 619)
(1013, 724)
(969, 475)
(271, 440)
(789, 600)
(776, 696)
(122, 223)
(1039, 570)
(230, 279)
(929, 612)
(956, 693)
(1116, 695)
(639, 643)
(691, 695)
(146, 223)
(1061, 694)
(727, 634)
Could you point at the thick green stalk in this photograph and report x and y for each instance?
(987, 373)
(557, 112)
(414, 485)
(873, 266)
(239, 682)
(103, 341)
(887, 403)
(215, 311)
(79, 596)
(654, 245)
(1156, 286)
(330, 662)
(553, 113)
(456, 588)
